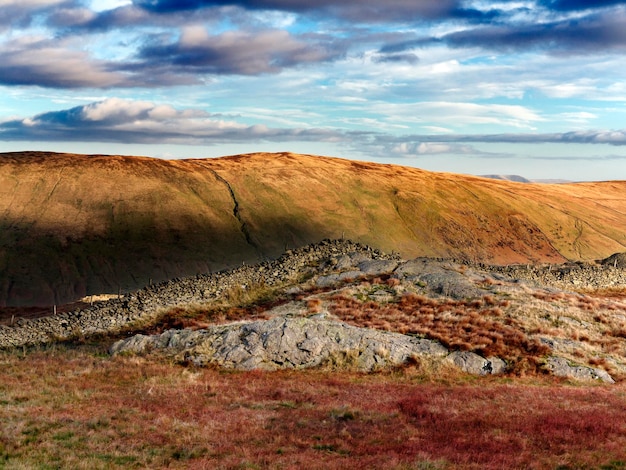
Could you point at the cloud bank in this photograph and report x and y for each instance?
(129, 121)
(237, 52)
(171, 43)
(125, 121)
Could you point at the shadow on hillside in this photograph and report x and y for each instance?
(39, 268)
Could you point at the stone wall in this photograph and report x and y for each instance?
(113, 315)
(569, 276)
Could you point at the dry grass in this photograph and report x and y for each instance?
(237, 304)
(596, 324)
(79, 409)
(616, 292)
(197, 317)
(590, 303)
(475, 325)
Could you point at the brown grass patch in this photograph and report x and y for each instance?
(476, 325)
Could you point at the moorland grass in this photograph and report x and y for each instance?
(75, 407)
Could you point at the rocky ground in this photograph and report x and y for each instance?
(339, 304)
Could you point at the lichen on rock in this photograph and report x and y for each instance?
(286, 342)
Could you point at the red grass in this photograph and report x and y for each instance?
(559, 421)
(75, 410)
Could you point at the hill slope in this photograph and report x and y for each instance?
(72, 225)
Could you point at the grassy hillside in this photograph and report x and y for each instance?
(72, 225)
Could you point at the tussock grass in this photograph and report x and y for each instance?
(473, 325)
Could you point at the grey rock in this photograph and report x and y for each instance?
(439, 278)
(376, 267)
(498, 366)
(561, 367)
(474, 364)
(332, 279)
(286, 343)
(415, 267)
(564, 346)
(451, 284)
(351, 260)
(608, 273)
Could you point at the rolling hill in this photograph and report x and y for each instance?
(74, 225)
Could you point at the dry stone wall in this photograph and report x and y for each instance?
(113, 315)
(569, 275)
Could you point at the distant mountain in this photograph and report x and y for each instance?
(74, 225)
(521, 179)
(515, 178)
(551, 181)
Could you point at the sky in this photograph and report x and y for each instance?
(533, 88)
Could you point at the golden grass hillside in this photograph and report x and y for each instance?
(73, 225)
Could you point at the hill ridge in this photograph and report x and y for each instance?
(73, 225)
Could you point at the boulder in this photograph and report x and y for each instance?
(332, 279)
(299, 342)
(561, 367)
(375, 267)
(474, 364)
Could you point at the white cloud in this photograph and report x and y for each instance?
(437, 130)
(579, 118)
(194, 36)
(115, 109)
(583, 87)
(420, 149)
(458, 114)
(102, 5)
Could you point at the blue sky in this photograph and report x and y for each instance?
(535, 88)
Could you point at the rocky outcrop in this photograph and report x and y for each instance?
(282, 342)
(328, 263)
(561, 367)
(476, 296)
(440, 278)
(299, 343)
